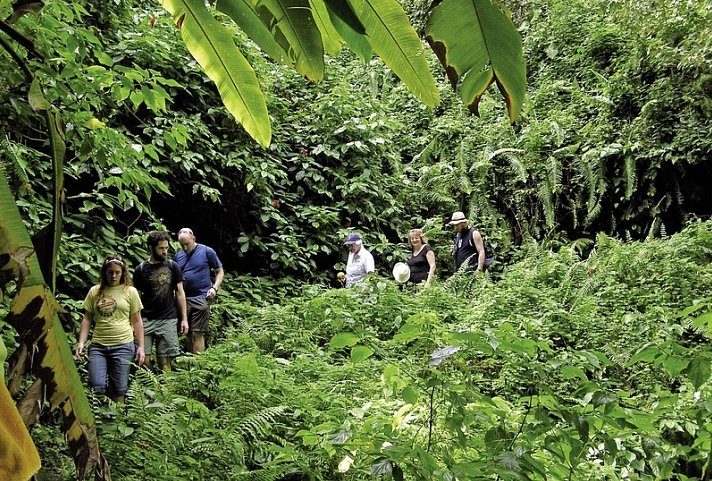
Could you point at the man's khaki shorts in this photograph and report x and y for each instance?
(164, 334)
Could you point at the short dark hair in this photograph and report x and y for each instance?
(155, 237)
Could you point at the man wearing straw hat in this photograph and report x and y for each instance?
(468, 248)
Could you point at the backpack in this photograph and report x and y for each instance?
(489, 255)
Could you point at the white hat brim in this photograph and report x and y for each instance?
(401, 272)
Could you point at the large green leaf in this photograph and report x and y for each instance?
(33, 314)
(215, 50)
(478, 45)
(18, 457)
(50, 247)
(349, 27)
(392, 37)
(244, 14)
(295, 29)
(330, 38)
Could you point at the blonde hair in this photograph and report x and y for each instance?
(419, 233)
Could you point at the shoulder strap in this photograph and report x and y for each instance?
(188, 255)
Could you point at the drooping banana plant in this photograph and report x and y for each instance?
(29, 268)
(475, 41)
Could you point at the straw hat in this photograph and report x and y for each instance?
(401, 272)
(457, 218)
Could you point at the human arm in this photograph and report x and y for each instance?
(430, 256)
(83, 334)
(369, 264)
(138, 336)
(219, 275)
(480, 246)
(182, 308)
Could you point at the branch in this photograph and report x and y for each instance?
(21, 63)
(21, 39)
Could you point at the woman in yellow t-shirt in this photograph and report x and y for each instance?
(114, 308)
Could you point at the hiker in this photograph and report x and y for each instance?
(360, 262)
(197, 261)
(114, 308)
(422, 261)
(160, 283)
(468, 247)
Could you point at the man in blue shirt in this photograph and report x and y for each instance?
(197, 261)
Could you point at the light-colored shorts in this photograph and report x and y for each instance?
(163, 333)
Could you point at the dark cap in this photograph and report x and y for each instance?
(352, 239)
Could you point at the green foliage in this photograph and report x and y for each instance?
(567, 368)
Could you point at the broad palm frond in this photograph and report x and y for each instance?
(392, 37)
(478, 45)
(215, 50)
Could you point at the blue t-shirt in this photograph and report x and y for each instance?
(196, 267)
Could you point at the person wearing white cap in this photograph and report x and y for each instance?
(468, 248)
(360, 262)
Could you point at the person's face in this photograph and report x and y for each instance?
(113, 274)
(187, 242)
(414, 240)
(354, 248)
(160, 252)
(459, 227)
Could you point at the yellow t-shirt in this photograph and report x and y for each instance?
(112, 313)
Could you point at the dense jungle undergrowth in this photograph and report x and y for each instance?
(580, 357)
(569, 367)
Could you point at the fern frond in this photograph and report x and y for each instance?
(630, 175)
(520, 170)
(271, 473)
(555, 174)
(257, 425)
(427, 153)
(574, 211)
(546, 197)
(593, 213)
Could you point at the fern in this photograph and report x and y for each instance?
(546, 197)
(593, 213)
(630, 175)
(271, 473)
(554, 172)
(257, 425)
(427, 153)
(520, 170)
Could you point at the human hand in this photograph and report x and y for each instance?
(79, 350)
(184, 327)
(212, 292)
(140, 356)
